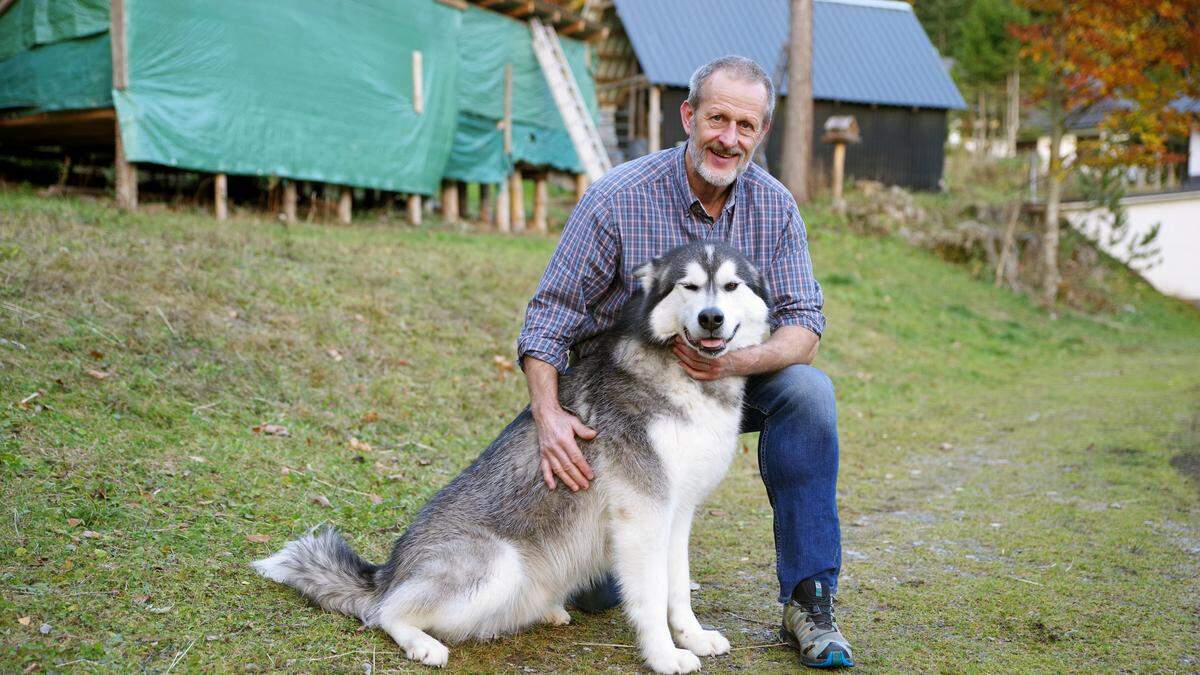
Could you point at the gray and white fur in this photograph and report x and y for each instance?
(496, 551)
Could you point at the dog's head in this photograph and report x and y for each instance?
(707, 293)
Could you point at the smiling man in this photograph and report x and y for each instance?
(708, 189)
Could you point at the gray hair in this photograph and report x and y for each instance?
(740, 68)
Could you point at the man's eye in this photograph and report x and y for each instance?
(691, 287)
(731, 286)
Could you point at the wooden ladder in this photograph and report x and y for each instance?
(580, 125)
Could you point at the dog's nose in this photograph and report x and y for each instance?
(711, 318)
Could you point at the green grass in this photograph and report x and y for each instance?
(1013, 488)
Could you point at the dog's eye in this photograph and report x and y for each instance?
(691, 287)
(731, 286)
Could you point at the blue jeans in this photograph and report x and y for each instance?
(795, 412)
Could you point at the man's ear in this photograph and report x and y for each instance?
(685, 116)
(645, 275)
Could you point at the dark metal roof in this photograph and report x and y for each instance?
(864, 51)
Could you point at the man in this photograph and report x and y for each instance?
(709, 189)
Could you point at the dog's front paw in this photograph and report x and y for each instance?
(430, 652)
(557, 616)
(703, 643)
(674, 661)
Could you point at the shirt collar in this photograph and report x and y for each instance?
(690, 200)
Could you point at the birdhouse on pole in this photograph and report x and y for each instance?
(840, 130)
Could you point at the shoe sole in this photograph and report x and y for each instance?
(833, 660)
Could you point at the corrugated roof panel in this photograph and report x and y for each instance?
(864, 51)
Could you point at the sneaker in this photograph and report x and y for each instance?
(809, 627)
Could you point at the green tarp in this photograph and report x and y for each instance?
(487, 41)
(28, 23)
(70, 75)
(309, 89)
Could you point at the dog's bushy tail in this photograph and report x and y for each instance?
(323, 567)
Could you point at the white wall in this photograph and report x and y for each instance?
(1178, 272)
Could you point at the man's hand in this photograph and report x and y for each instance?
(700, 367)
(557, 429)
(787, 345)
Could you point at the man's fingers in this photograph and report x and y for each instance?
(562, 471)
(547, 474)
(571, 460)
(580, 462)
(582, 430)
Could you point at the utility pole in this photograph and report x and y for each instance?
(798, 122)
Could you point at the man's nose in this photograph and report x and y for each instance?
(728, 136)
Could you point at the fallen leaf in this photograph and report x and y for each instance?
(271, 430)
(321, 500)
(716, 512)
(360, 318)
(361, 446)
(24, 621)
(370, 417)
(334, 354)
(67, 565)
(96, 355)
(946, 446)
(403, 362)
(422, 461)
(91, 534)
(141, 599)
(233, 314)
(196, 458)
(44, 629)
(33, 667)
(258, 538)
(73, 521)
(503, 365)
(376, 500)
(97, 374)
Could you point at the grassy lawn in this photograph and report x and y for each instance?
(1018, 493)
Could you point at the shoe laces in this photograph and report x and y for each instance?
(821, 615)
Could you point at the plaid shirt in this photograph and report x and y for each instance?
(643, 209)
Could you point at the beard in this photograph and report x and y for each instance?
(712, 176)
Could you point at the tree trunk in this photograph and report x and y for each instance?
(798, 127)
(1054, 182)
(1013, 118)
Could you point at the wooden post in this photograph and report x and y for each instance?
(581, 186)
(654, 119)
(389, 204)
(418, 86)
(414, 209)
(503, 215)
(485, 203)
(516, 197)
(839, 167)
(126, 176)
(461, 188)
(345, 204)
(125, 173)
(539, 203)
(289, 201)
(508, 87)
(450, 201)
(221, 196)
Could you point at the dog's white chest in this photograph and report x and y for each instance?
(696, 447)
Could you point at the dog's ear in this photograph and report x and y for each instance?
(646, 273)
(758, 284)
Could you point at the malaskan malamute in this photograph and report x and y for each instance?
(496, 551)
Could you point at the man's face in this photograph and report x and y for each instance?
(726, 128)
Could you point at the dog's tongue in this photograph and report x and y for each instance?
(712, 343)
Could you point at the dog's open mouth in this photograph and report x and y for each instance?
(709, 346)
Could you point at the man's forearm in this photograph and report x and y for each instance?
(787, 346)
(542, 380)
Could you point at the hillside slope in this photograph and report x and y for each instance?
(1015, 490)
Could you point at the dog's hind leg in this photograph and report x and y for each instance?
(416, 643)
(639, 539)
(684, 626)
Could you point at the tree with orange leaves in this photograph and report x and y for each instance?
(1143, 53)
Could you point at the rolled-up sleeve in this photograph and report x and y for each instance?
(582, 267)
(795, 293)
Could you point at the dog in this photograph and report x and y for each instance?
(495, 551)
